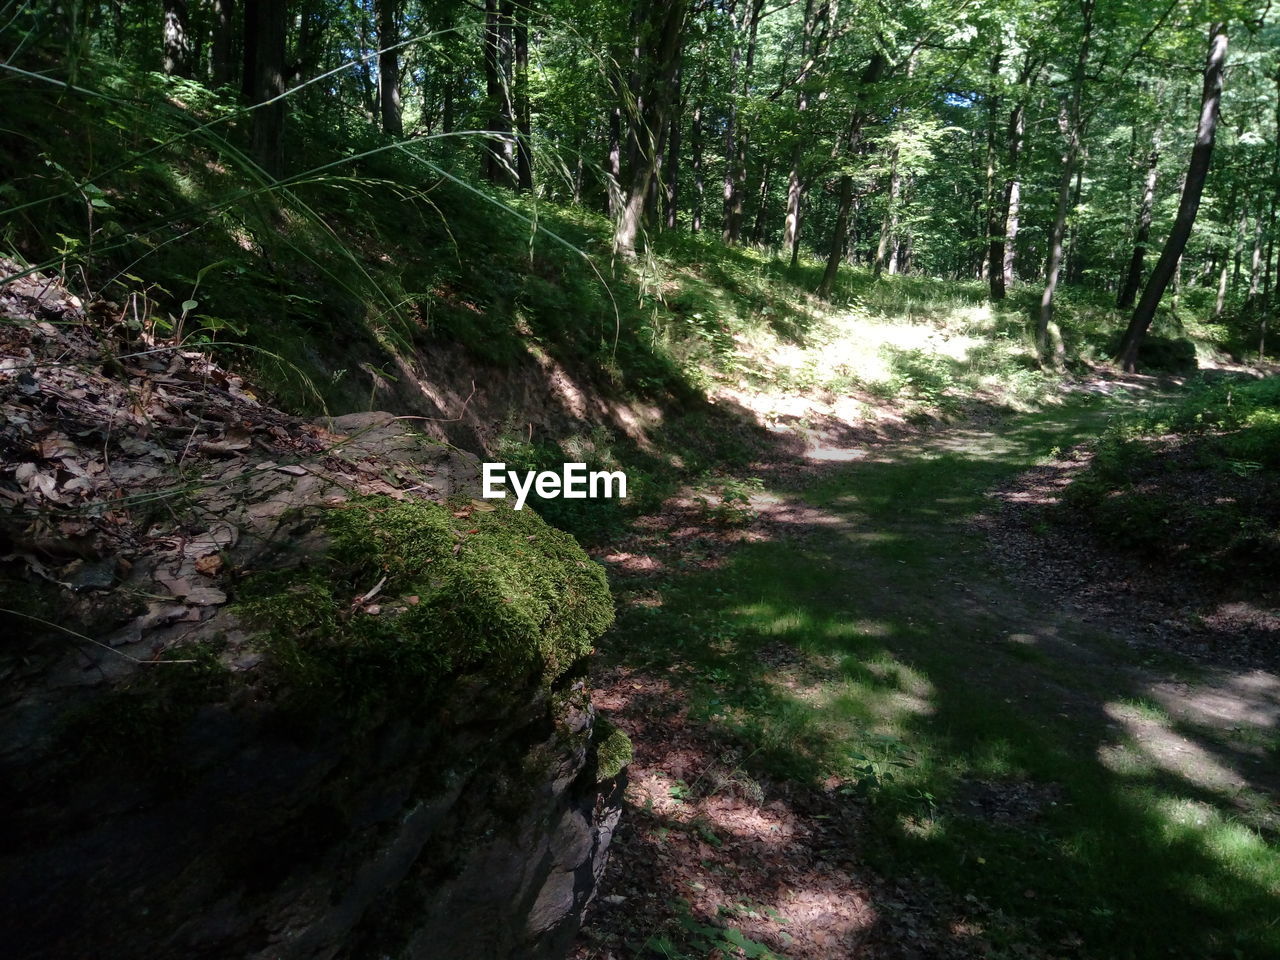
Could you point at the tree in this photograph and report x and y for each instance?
(657, 59)
(389, 68)
(177, 39)
(1188, 206)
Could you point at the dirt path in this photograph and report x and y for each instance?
(860, 733)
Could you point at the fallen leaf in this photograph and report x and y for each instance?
(209, 565)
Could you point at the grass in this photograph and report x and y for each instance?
(906, 671)
(1193, 483)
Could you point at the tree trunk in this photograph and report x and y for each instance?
(699, 186)
(266, 21)
(499, 166)
(520, 84)
(840, 234)
(367, 85)
(1188, 206)
(1073, 122)
(762, 206)
(889, 223)
(389, 69)
(795, 185)
(224, 35)
(613, 164)
(1073, 262)
(995, 216)
(736, 150)
(660, 29)
(177, 39)
(1002, 281)
(1141, 233)
(671, 170)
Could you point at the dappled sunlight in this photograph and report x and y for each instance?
(1250, 698)
(1160, 746)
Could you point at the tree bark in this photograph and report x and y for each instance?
(267, 22)
(995, 218)
(762, 206)
(1073, 122)
(1188, 206)
(671, 169)
(889, 224)
(1006, 248)
(499, 166)
(737, 140)
(224, 35)
(1141, 233)
(177, 39)
(389, 68)
(699, 186)
(840, 234)
(661, 25)
(520, 84)
(795, 185)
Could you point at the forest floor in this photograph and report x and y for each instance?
(882, 709)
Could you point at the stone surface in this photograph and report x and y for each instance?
(215, 805)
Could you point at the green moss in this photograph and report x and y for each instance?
(496, 592)
(613, 750)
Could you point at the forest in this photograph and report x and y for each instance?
(888, 400)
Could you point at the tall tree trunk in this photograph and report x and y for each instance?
(367, 85)
(177, 39)
(520, 85)
(840, 233)
(499, 159)
(736, 146)
(613, 204)
(762, 205)
(266, 21)
(224, 37)
(671, 169)
(795, 183)
(1006, 248)
(389, 68)
(1073, 123)
(1141, 232)
(839, 237)
(699, 185)
(1265, 306)
(661, 25)
(1002, 252)
(1074, 265)
(1188, 206)
(889, 224)
(991, 203)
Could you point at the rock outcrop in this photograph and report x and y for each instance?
(276, 689)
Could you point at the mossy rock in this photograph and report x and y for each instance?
(491, 592)
(1162, 354)
(613, 750)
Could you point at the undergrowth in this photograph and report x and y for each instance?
(1193, 483)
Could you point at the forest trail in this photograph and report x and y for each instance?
(960, 762)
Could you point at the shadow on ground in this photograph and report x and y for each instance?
(1007, 778)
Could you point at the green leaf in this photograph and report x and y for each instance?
(189, 305)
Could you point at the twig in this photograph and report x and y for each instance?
(96, 643)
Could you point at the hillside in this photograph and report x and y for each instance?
(934, 346)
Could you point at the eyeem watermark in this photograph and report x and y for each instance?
(573, 483)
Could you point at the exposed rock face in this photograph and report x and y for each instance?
(320, 704)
